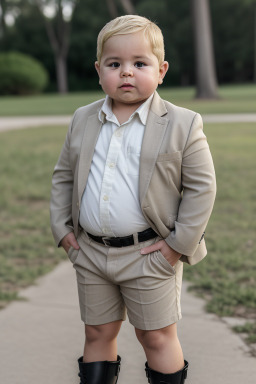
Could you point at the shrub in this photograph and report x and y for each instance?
(21, 74)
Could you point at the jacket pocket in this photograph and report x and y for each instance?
(174, 156)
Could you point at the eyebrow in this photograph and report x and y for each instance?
(119, 58)
(140, 57)
(111, 58)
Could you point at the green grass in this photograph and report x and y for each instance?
(226, 278)
(233, 99)
(250, 330)
(27, 250)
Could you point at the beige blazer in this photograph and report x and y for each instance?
(177, 178)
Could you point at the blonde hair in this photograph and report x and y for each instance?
(124, 25)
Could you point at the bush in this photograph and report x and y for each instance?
(21, 74)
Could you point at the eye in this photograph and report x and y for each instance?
(114, 65)
(139, 64)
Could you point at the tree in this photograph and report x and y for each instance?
(252, 3)
(233, 40)
(206, 79)
(127, 7)
(57, 15)
(233, 36)
(2, 17)
(87, 20)
(8, 8)
(112, 8)
(58, 29)
(254, 42)
(57, 25)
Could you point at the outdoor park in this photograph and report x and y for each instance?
(226, 279)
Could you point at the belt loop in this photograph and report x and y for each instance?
(136, 241)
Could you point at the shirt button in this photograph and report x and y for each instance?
(117, 134)
(105, 198)
(111, 165)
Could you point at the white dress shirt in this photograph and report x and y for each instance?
(110, 203)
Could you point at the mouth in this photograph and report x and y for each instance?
(127, 86)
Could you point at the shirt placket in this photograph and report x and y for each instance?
(108, 179)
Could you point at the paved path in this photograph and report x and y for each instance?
(21, 122)
(41, 338)
(10, 123)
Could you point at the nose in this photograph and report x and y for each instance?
(127, 72)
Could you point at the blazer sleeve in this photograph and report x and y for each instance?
(199, 190)
(61, 194)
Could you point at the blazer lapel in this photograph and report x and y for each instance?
(152, 140)
(91, 133)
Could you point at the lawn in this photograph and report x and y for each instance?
(27, 251)
(226, 277)
(233, 99)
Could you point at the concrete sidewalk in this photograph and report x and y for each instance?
(41, 338)
(20, 122)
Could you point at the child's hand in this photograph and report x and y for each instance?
(170, 254)
(69, 241)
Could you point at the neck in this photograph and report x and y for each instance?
(124, 111)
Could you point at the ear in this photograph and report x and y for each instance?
(162, 71)
(97, 67)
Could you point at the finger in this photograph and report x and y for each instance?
(151, 248)
(73, 242)
(65, 244)
(70, 241)
(66, 241)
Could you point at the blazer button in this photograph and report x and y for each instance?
(77, 204)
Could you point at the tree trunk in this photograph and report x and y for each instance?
(112, 8)
(60, 51)
(61, 71)
(128, 7)
(59, 41)
(206, 79)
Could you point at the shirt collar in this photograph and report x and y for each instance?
(106, 113)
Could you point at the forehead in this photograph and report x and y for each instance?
(135, 43)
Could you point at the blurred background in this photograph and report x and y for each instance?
(61, 35)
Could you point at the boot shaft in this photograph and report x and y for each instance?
(155, 377)
(99, 372)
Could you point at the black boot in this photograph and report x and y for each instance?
(99, 372)
(155, 377)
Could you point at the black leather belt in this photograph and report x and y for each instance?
(124, 241)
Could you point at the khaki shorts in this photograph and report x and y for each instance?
(112, 281)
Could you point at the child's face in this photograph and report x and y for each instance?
(129, 72)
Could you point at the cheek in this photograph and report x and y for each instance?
(151, 75)
(109, 77)
(149, 81)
